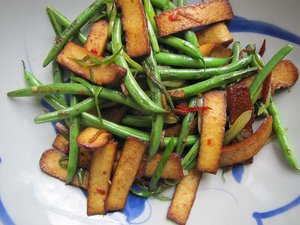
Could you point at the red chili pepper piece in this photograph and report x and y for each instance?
(183, 110)
(67, 149)
(173, 17)
(94, 51)
(209, 141)
(100, 191)
(262, 48)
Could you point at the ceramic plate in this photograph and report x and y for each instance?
(265, 192)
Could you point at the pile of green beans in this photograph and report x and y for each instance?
(174, 58)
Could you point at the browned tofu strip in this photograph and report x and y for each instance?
(125, 173)
(219, 51)
(284, 75)
(186, 17)
(172, 170)
(217, 33)
(114, 114)
(49, 164)
(61, 143)
(100, 174)
(206, 49)
(184, 197)
(245, 150)
(212, 131)
(97, 39)
(93, 138)
(238, 99)
(135, 27)
(101, 74)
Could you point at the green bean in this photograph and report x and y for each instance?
(58, 78)
(56, 26)
(181, 2)
(189, 35)
(137, 121)
(51, 100)
(151, 14)
(132, 86)
(161, 165)
(133, 63)
(264, 72)
(112, 18)
(64, 22)
(152, 36)
(193, 74)
(285, 146)
(181, 45)
(74, 149)
(236, 52)
(157, 11)
(211, 83)
(163, 4)
(75, 26)
(191, 155)
(125, 132)
(75, 89)
(69, 112)
(185, 127)
(170, 59)
(151, 69)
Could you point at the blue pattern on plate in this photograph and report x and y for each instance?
(4, 216)
(237, 172)
(134, 207)
(240, 24)
(259, 216)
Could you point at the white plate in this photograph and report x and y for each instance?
(266, 192)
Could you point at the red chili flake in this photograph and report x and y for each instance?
(82, 92)
(94, 51)
(183, 110)
(67, 149)
(100, 191)
(262, 48)
(104, 172)
(209, 141)
(174, 17)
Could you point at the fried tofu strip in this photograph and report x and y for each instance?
(242, 151)
(172, 170)
(97, 39)
(114, 114)
(238, 99)
(109, 74)
(219, 51)
(125, 173)
(284, 75)
(92, 138)
(212, 131)
(184, 197)
(206, 49)
(62, 144)
(49, 164)
(186, 17)
(217, 33)
(135, 27)
(100, 174)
